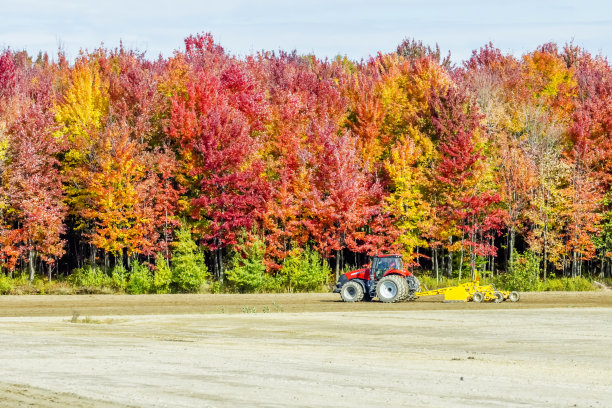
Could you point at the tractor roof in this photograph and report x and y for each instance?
(388, 256)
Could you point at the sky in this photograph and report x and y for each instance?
(355, 28)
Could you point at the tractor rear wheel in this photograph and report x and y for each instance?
(392, 288)
(513, 296)
(498, 297)
(414, 286)
(478, 297)
(351, 292)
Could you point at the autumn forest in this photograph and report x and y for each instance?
(104, 160)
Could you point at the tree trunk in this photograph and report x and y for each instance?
(435, 263)
(473, 257)
(450, 259)
(215, 265)
(461, 258)
(219, 265)
(31, 258)
(337, 265)
(93, 254)
(492, 257)
(545, 253)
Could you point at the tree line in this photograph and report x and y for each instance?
(456, 166)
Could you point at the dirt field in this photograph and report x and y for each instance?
(548, 350)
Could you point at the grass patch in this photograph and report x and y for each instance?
(76, 318)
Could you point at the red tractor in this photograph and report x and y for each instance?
(385, 277)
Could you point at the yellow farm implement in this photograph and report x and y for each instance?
(471, 291)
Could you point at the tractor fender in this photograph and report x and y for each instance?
(404, 273)
(362, 283)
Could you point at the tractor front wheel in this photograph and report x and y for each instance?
(478, 297)
(514, 296)
(498, 297)
(392, 288)
(351, 292)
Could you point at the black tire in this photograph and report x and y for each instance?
(498, 297)
(514, 297)
(351, 291)
(392, 288)
(478, 297)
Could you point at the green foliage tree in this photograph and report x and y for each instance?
(523, 274)
(119, 276)
(163, 275)
(305, 271)
(248, 272)
(140, 280)
(189, 271)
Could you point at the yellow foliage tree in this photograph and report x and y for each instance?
(406, 199)
(81, 110)
(111, 193)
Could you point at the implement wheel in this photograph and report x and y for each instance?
(498, 297)
(351, 292)
(392, 288)
(478, 297)
(514, 296)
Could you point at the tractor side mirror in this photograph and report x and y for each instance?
(365, 265)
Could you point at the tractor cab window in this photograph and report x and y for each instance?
(395, 263)
(383, 264)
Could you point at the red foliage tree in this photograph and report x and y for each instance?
(31, 180)
(468, 204)
(343, 198)
(215, 124)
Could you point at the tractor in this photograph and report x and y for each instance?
(385, 277)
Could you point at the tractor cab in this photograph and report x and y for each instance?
(383, 263)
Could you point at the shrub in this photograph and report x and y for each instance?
(523, 274)
(6, 284)
(248, 272)
(39, 285)
(140, 280)
(305, 271)
(582, 284)
(579, 284)
(189, 270)
(553, 285)
(163, 275)
(91, 278)
(21, 278)
(119, 278)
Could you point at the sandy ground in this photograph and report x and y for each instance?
(548, 350)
